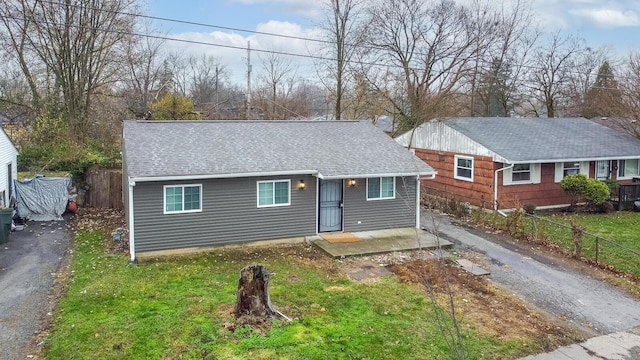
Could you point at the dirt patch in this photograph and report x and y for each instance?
(482, 306)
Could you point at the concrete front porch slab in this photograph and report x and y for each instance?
(381, 241)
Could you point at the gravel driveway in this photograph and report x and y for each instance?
(29, 264)
(546, 282)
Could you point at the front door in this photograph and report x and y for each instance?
(330, 214)
(602, 169)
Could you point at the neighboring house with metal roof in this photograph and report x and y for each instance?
(509, 162)
(197, 184)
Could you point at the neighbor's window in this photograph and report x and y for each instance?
(274, 193)
(521, 172)
(381, 188)
(182, 198)
(628, 168)
(464, 168)
(570, 168)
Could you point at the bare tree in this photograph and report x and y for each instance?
(629, 121)
(147, 77)
(428, 49)
(342, 33)
(208, 80)
(582, 77)
(277, 78)
(77, 41)
(551, 73)
(501, 73)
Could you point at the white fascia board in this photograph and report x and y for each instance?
(360, 176)
(222, 176)
(543, 161)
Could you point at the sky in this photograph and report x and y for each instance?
(614, 24)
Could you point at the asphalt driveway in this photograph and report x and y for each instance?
(563, 291)
(29, 264)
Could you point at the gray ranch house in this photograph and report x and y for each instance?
(193, 185)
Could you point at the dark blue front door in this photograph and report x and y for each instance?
(330, 214)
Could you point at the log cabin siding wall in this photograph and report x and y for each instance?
(478, 193)
(546, 193)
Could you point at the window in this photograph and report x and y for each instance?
(381, 188)
(570, 168)
(464, 168)
(628, 168)
(274, 193)
(182, 198)
(521, 172)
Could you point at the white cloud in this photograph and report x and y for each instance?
(608, 17)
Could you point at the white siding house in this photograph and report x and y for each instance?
(8, 168)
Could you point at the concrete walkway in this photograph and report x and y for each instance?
(380, 241)
(624, 345)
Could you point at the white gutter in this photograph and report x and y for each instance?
(222, 176)
(335, 177)
(418, 201)
(543, 161)
(132, 241)
(495, 186)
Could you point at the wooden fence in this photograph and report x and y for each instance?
(105, 188)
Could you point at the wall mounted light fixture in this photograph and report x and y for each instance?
(351, 182)
(301, 185)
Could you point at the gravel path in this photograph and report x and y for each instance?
(546, 282)
(29, 264)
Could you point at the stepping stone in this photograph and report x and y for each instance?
(472, 268)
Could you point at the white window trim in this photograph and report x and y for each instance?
(164, 199)
(626, 177)
(507, 176)
(381, 198)
(288, 181)
(455, 167)
(559, 175)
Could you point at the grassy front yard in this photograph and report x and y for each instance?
(181, 308)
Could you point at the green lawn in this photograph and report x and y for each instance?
(622, 228)
(178, 307)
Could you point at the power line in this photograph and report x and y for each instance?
(277, 52)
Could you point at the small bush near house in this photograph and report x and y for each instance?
(593, 191)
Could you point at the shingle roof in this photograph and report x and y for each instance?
(538, 139)
(330, 148)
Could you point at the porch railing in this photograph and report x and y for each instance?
(627, 195)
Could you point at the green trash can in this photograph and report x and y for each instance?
(6, 216)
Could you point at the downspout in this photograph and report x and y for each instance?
(495, 186)
(132, 247)
(418, 189)
(418, 201)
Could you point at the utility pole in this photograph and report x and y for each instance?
(248, 115)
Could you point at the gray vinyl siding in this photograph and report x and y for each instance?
(380, 214)
(229, 214)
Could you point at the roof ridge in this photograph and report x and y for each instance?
(245, 121)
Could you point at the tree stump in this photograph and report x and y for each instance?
(253, 304)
